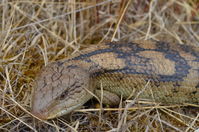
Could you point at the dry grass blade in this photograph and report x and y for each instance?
(34, 33)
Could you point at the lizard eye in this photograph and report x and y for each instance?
(63, 95)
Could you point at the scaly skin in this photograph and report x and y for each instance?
(122, 69)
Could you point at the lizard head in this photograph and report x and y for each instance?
(60, 89)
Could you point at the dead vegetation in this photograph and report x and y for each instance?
(36, 32)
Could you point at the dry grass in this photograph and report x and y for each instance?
(36, 32)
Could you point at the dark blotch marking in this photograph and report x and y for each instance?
(191, 50)
(181, 66)
(84, 56)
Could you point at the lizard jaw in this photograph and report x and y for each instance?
(46, 115)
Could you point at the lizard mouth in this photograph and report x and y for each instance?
(45, 115)
(41, 116)
(64, 111)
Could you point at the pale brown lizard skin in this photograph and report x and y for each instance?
(122, 70)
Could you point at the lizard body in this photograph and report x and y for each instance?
(121, 70)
